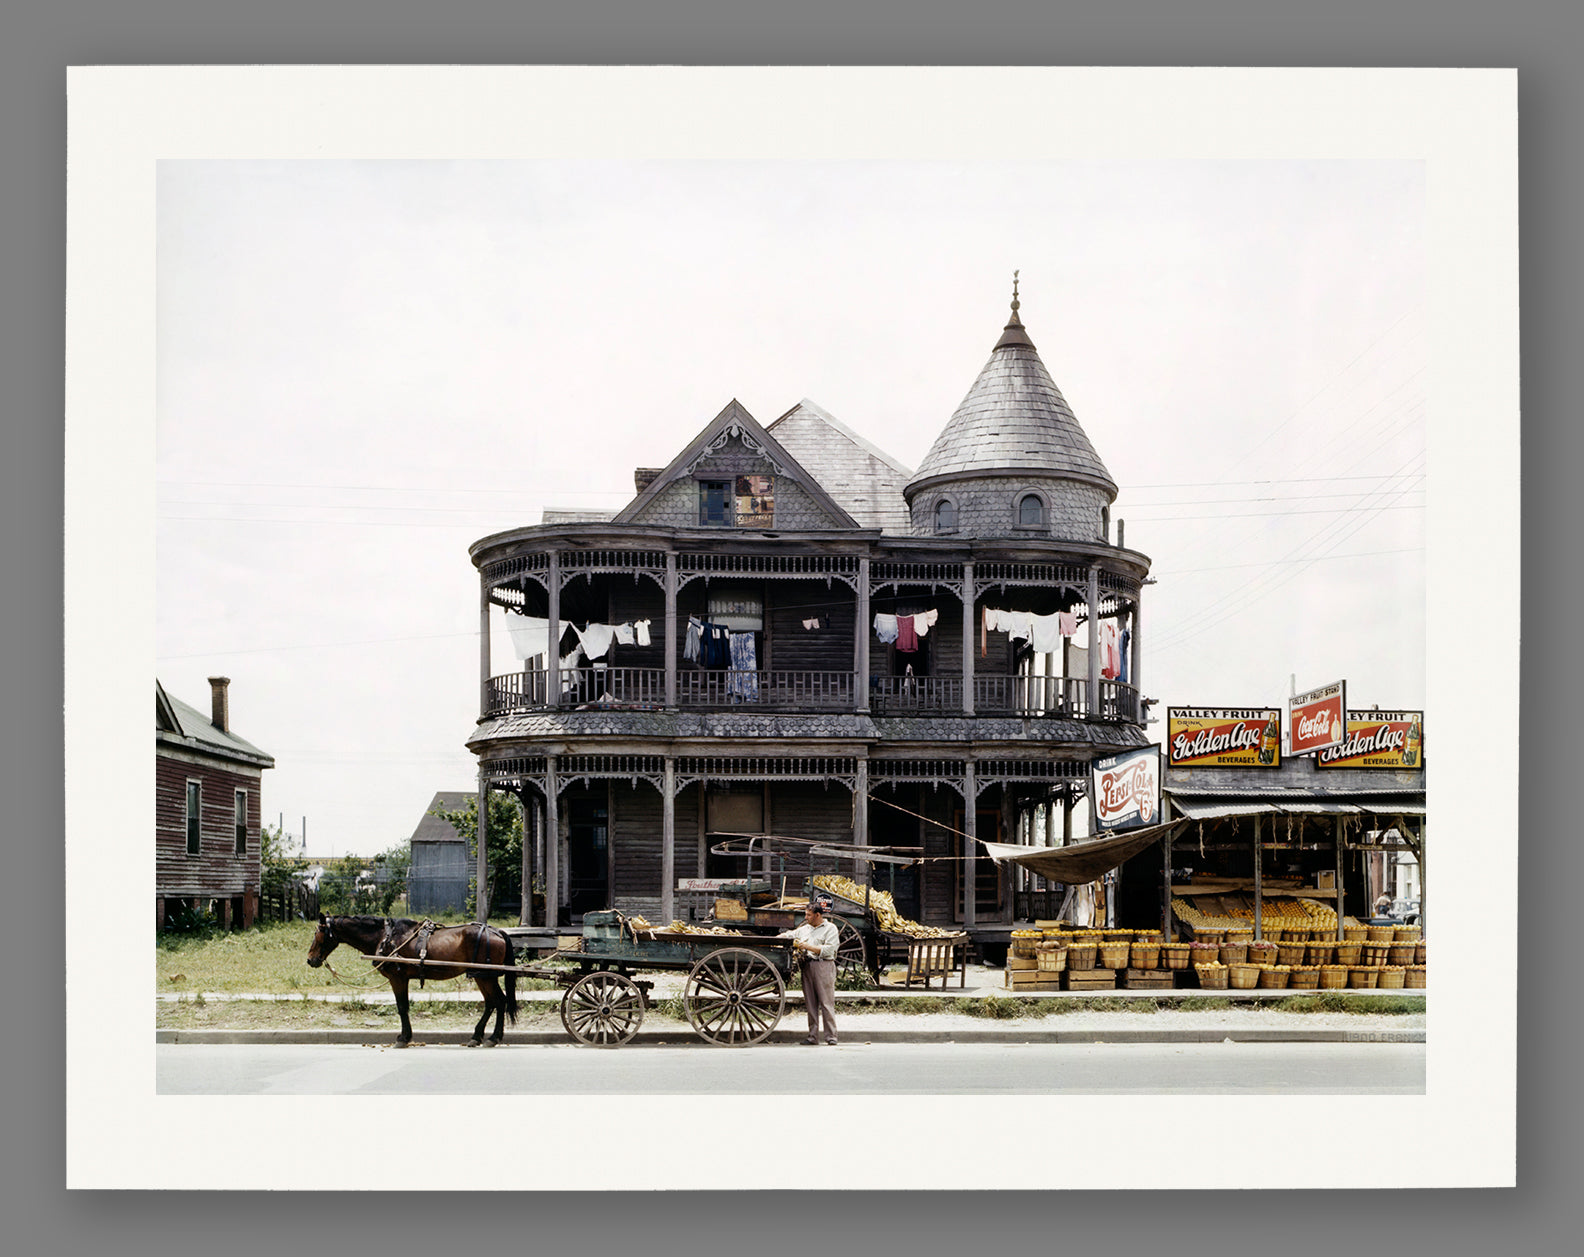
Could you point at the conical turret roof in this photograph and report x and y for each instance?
(1014, 420)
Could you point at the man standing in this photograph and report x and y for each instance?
(814, 944)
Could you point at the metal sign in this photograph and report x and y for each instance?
(1378, 739)
(1315, 719)
(1223, 737)
(1126, 788)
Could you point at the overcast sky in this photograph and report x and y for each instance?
(364, 367)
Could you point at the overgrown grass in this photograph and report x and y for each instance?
(272, 959)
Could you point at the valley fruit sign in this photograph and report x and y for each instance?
(1223, 737)
(1378, 739)
(1126, 789)
(1314, 720)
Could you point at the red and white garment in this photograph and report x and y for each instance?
(1110, 651)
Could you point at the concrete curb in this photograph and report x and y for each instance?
(680, 1036)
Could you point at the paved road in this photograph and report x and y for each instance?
(852, 1068)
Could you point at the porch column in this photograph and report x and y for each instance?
(968, 645)
(484, 644)
(970, 843)
(1422, 883)
(1166, 884)
(553, 647)
(671, 630)
(481, 863)
(1093, 693)
(861, 641)
(1259, 890)
(552, 840)
(861, 806)
(668, 842)
(525, 887)
(1136, 651)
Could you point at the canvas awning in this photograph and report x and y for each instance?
(1080, 862)
(1203, 809)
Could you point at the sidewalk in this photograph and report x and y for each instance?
(878, 1023)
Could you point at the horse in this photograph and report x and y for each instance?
(447, 951)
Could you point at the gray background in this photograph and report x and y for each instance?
(36, 45)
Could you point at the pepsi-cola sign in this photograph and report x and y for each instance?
(1125, 789)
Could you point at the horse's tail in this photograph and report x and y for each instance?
(511, 980)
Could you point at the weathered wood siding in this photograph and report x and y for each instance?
(636, 830)
(216, 871)
(793, 648)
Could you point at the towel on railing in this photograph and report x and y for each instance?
(528, 635)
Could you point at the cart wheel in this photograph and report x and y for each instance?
(602, 1009)
(851, 958)
(734, 997)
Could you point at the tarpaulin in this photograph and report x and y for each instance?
(1081, 861)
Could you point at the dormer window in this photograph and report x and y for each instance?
(1031, 511)
(945, 516)
(741, 502)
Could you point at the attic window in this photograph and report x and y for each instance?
(742, 502)
(1031, 511)
(945, 516)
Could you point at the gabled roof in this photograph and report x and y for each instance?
(431, 828)
(735, 420)
(178, 725)
(866, 481)
(1014, 420)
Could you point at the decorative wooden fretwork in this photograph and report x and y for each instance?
(582, 769)
(894, 574)
(518, 569)
(827, 768)
(731, 430)
(1038, 772)
(515, 772)
(826, 567)
(934, 773)
(634, 563)
(998, 576)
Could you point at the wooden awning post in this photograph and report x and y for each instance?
(1339, 895)
(1259, 890)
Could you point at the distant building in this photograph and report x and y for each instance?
(437, 880)
(207, 811)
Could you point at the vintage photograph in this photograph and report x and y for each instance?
(621, 621)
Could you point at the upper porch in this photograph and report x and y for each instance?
(1027, 630)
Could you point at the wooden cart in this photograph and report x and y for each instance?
(734, 994)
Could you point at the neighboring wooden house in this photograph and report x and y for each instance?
(810, 547)
(207, 811)
(437, 879)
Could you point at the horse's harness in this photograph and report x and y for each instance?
(385, 951)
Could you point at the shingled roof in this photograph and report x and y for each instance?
(1014, 420)
(432, 828)
(865, 480)
(178, 725)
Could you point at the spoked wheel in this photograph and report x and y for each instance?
(852, 959)
(602, 1009)
(734, 997)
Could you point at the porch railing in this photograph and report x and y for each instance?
(1057, 697)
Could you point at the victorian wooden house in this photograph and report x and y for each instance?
(207, 811)
(787, 631)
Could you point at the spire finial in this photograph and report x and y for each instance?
(1014, 294)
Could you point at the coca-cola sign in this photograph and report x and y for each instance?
(1125, 789)
(1315, 719)
(1223, 737)
(1378, 739)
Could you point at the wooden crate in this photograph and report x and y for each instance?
(731, 910)
(1089, 980)
(1147, 979)
(1022, 962)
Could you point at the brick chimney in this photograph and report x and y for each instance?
(643, 477)
(219, 707)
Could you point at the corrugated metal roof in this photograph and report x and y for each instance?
(194, 730)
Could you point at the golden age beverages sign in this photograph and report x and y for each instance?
(1378, 739)
(1223, 737)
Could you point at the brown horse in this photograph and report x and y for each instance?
(447, 952)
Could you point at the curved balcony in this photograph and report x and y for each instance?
(644, 689)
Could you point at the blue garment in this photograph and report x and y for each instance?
(744, 679)
(717, 645)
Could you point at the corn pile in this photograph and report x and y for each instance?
(1278, 912)
(881, 904)
(682, 927)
